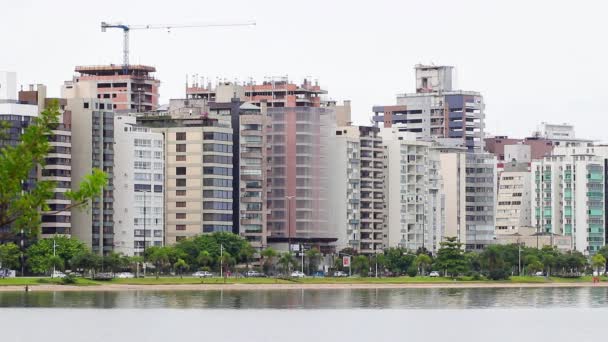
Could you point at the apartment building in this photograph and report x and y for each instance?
(133, 89)
(93, 147)
(436, 110)
(568, 195)
(452, 170)
(138, 187)
(58, 164)
(414, 203)
(357, 189)
(252, 167)
(480, 199)
(513, 205)
(199, 169)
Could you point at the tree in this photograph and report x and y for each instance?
(9, 255)
(204, 259)
(246, 254)
(535, 266)
(55, 262)
(159, 256)
(598, 262)
(85, 261)
(423, 261)
(180, 265)
(450, 257)
(312, 256)
(360, 265)
(397, 260)
(20, 208)
(39, 253)
(286, 261)
(134, 262)
(226, 260)
(113, 261)
(268, 256)
(604, 252)
(493, 261)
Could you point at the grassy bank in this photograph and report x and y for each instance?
(33, 281)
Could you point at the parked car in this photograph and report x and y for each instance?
(74, 274)
(254, 274)
(103, 276)
(340, 274)
(202, 274)
(57, 274)
(6, 273)
(125, 275)
(319, 274)
(434, 274)
(297, 274)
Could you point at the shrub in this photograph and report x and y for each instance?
(412, 271)
(68, 279)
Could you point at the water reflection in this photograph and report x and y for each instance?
(317, 299)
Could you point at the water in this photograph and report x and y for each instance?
(508, 314)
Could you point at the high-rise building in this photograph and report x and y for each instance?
(199, 168)
(513, 199)
(58, 164)
(414, 203)
(357, 189)
(453, 176)
(568, 195)
(480, 199)
(138, 186)
(93, 147)
(436, 110)
(135, 90)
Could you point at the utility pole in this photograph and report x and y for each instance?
(221, 260)
(54, 253)
(302, 254)
(519, 256)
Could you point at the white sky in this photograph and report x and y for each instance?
(532, 60)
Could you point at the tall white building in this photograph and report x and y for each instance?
(357, 189)
(412, 191)
(138, 186)
(480, 199)
(453, 176)
(568, 195)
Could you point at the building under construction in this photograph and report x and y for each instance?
(130, 89)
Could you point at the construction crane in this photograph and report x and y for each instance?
(127, 28)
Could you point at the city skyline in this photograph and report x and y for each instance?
(367, 64)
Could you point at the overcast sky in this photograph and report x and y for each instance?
(533, 61)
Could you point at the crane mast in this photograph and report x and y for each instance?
(127, 28)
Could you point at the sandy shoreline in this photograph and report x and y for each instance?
(266, 287)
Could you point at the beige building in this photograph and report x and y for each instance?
(198, 170)
(513, 208)
(453, 176)
(528, 237)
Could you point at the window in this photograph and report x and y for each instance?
(217, 148)
(158, 143)
(158, 233)
(158, 177)
(180, 171)
(180, 227)
(217, 136)
(217, 194)
(217, 205)
(143, 154)
(180, 148)
(143, 143)
(180, 136)
(142, 176)
(219, 182)
(142, 187)
(217, 159)
(180, 216)
(180, 158)
(158, 188)
(221, 171)
(180, 192)
(180, 204)
(142, 165)
(158, 166)
(217, 217)
(158, 155)
(180, 182)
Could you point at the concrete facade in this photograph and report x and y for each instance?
(480, 200)
(513, 206)
(138, 187)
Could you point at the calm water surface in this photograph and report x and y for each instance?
(540, 314)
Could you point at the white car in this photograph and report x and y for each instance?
(340, 274)
(202, 274)
(434, 274)
(57, 274)
(125, 275)
(297, 274)
(254, 274)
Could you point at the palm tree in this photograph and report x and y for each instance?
(268, 256)
(180, 265)
(312, 255)
(134, 263)
(422, 261)
(247, 254)
(159, 256)
(286, 260)
(204, 259)
(598, 261)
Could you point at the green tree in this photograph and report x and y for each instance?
(204, 259)
(180, 266)
(493, 261)
(159, 257)
(39, 253)
(268, 256)
(226, 260)
(20, 208)
(55, 262)
(85, 261)
(360, 265)
(598, 262)
(450, 257)
(9, 255)
(422, 262)
(535, 266)
(134, 263)
(113, 262)
(286, 261)
(246, 254)
(312, 257)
